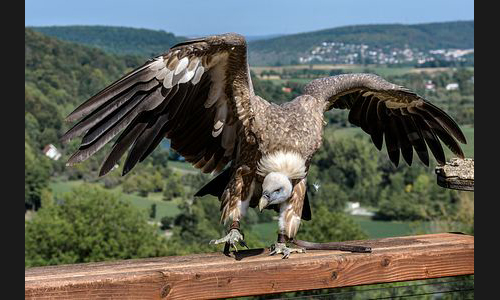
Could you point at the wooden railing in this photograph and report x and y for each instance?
(254, 272)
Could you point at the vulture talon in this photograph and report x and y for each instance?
(234, 236)
(281, 248)
(243, 244)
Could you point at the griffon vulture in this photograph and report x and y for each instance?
(199, 95)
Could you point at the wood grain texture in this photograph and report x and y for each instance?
(253, 272)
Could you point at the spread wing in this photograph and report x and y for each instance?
(197, 95)
(382, 109)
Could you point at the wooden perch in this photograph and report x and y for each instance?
(457, 174)
(254, 272)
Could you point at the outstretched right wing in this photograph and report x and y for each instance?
(382, 109)
(197, 95)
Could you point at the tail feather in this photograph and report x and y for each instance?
(216, 186)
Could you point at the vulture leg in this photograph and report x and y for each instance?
(280, 247)
(234, 236)
(289, 220)
(234, 208)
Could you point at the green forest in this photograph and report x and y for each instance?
(74, 216)
(118, 40)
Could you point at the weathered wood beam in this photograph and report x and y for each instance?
(457, 174)
(253, 272)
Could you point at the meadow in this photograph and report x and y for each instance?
(163, 208)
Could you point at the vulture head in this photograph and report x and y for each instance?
(278, 170)
(276, 189)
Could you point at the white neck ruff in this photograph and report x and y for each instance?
(290, 164)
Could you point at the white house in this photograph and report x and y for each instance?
(52, 152)
(430, 86)
(452, 86)
(354, 208)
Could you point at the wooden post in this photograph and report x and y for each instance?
(254, 272)
(457, 174)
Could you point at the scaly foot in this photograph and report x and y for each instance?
(283, 249)
(234, 236)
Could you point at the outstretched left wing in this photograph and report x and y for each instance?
(381, 108)
(197, 95)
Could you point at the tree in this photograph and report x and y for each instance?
(89, 224)
(152, 211)
(330, 226)
(414, 195)
(166, 222)
(36, 177)
(173, 188)
(349, 162)
(330, 195)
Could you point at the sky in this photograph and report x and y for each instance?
(251, 17)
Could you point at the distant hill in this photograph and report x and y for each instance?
(278, 49)
(118, 40)
(251, 38)
(287, 49)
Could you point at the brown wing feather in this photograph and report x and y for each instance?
(188, 94)
(382, 109)
(293, 215)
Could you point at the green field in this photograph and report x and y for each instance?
(381, 229)
(469, 135)
(183, 167)
(380, 70)
(163, 208)
(374, 229)
(267, 232)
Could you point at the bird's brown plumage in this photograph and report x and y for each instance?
(382, 109)
(196, 95)
(200, 96)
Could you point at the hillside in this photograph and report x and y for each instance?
(118, 40)
(287, 49)
(291, 49)
(60, 75)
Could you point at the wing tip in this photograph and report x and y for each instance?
(103, 171)
(74, 159)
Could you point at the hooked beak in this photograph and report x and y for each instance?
(264, 201)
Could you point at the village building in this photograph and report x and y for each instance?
(51, 152)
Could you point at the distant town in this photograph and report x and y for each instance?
(343, 53)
